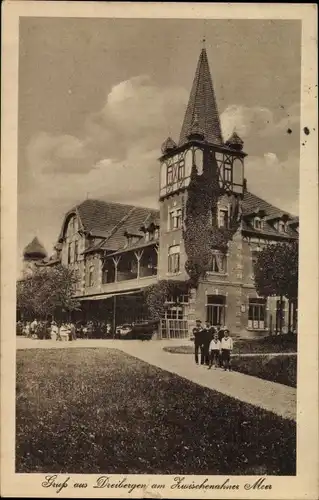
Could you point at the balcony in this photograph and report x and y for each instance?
(130, 270)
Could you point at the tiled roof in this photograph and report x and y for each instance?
(35, 248)
(134, 222)
(202, 105)
(252, 203)
(111, 220)
(100, 217)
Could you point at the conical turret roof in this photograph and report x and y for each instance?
(202, 105)
(34, 250)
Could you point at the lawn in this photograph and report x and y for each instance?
(281, 369)
(102, 411)
(271, 344)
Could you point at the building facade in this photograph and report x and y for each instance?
(118, 250)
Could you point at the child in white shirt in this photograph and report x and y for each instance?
(226, 348)
(214, 349)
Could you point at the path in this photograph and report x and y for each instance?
(276, 398)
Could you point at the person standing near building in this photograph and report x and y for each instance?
(72, 331)
(214, 350)
(226, 349)
(220, 332)
(198, 341)
(208, 333)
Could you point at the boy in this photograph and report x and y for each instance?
(198, 341)
(208, 333)
(214, 348)
(226, 348)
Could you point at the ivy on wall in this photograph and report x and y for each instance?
(201, 232)
(156, 295)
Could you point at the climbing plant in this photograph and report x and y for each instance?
(201, 232)
(156, 295)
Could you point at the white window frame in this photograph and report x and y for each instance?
(175, 219)
(219, 263)
(255, 323)
(91, 276)
(225, 212)
(174, 264)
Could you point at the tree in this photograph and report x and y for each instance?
(276, 274)
(48, 291)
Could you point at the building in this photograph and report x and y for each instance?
(118, 250)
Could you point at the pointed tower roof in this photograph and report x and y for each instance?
(34, 250)
(202, 105)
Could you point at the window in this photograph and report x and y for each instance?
(218, 263)
(258, 223)
(76, 250)
(178, 299)
(223, 220)
(156, 234)
(256, 314)
(69, 253)
(91, 276)
(147, 236)
(175, 219)
(181, 170)
(282, 227)
(227, 172)
(174, 259)
(174, 312)
(169, 174)
(215, 309)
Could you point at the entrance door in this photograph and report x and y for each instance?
(215, 309)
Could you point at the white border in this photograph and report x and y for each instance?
(305, 484)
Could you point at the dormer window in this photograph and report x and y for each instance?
(258, 223)
(282, 226)
(156, 234)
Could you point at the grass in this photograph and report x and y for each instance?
(271, 344)
(102, 411)
(280, 369)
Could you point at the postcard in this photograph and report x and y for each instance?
(159, 250)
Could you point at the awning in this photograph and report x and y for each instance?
(103, 296)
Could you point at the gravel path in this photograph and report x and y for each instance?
(276, 398)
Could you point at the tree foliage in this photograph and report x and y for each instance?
(156, 295)
(201, 232)
(47, 291)
(276, 271)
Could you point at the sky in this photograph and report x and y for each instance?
(97, 97)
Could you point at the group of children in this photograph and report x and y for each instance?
(214, 345)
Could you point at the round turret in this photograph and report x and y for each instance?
(34, 251)
(235, 142)
(168, 145)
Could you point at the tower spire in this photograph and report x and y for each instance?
(202, 104)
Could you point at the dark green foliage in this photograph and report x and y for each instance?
(100, 411)
(201, 232)
(271, 344)
(280, 369)
(276, 271)
(157, 294)
(48, 291)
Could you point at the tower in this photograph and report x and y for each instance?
(200, 148)
(33, 255)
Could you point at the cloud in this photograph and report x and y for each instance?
(115, 155)
(274, 180)
(261, 130)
